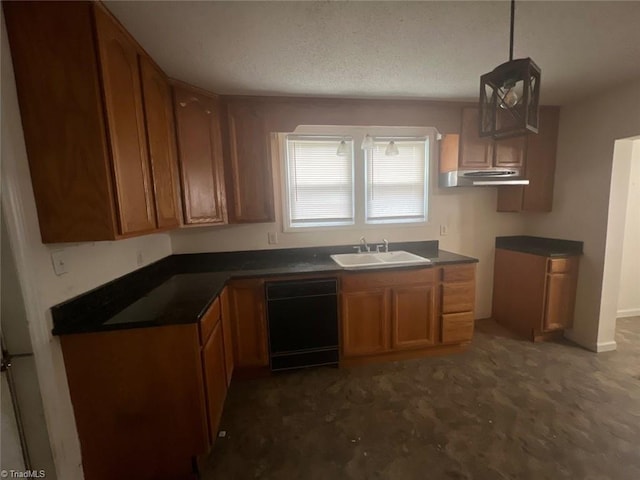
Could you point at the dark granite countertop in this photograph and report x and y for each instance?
(546, 247)
(180, 288)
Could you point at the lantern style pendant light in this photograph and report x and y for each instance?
(509, 96)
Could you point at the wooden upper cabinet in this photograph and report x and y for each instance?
(81, 98)
(200, 156)
(158, 108)
(413, 316)
(58, 83)
(249, 173)
(540, 167)
(510, 152)
(475, 151)
(480, 152)
(126, 127)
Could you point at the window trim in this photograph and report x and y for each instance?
(359, 173)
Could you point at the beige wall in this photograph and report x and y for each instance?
(469, 213)
(588, 130)
(89, 265)
(629, 297)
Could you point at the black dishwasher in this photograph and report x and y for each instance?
(303, 323)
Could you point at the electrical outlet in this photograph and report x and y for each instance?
(139, 258)
(58, 258)
(273, 238)
(444, 230)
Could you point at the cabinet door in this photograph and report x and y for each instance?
(200, 155)
(161, 140)
(227, 334)
(518, 290)
(250, 176)
(560, 293)
(475, 152)
(58, 84)
(365, 323)
(125, 120)
(413, 319)
(510, 152)
(458, 297)
(541, 163)
(249, 327)
(215, 378)
(457, 327)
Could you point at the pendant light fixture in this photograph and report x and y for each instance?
(392, 149)
(367, 142)
(509, 96)
(343, 149)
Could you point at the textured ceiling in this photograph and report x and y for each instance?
(431, 50)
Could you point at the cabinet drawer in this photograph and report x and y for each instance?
(458, 273)
(457, 327)
(560, 265)
(354, 282)
(209, 320)
(458, 297)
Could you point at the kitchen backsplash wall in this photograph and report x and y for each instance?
(468, 214)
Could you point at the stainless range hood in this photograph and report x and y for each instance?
(482, 178)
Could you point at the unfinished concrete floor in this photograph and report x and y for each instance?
(505, 409)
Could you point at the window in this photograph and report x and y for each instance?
(328, 184)
(396, 185)
(319, 182)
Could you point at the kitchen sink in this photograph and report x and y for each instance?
(356, 261)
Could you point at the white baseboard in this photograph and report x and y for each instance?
(629, 312)
(598, 347)
(606, 346)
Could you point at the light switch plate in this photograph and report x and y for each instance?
(58, 258)
(273, 238)
(444, 230)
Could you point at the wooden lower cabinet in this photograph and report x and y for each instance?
(227, 334)
(457, 290)
(534, 295)
(215, 378)
(397, 314)
(148, 401)
(249, 324)
(457, 327)
(413, 316)
(139, 401)
(365, 323)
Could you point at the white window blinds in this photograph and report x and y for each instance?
(397, 185)
(319, 182)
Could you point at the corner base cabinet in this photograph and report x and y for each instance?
(148, 401)
(534, 295)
